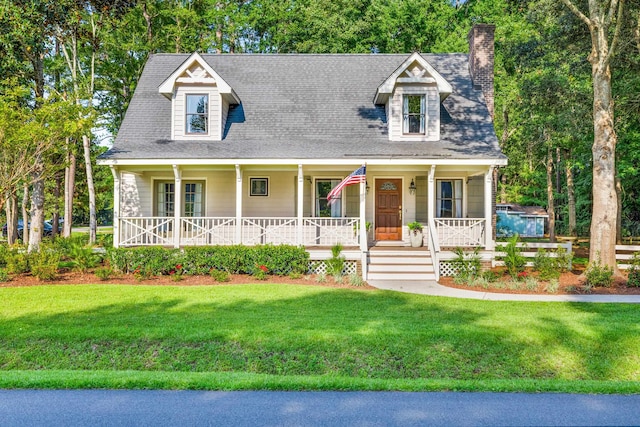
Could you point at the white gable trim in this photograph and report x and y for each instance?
(386, 88)
(168, 86)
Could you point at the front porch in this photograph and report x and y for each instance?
(201, 205)
(309, 232)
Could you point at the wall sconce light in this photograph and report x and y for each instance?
(366, 186)
(412, 187)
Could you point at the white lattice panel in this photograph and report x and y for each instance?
(320, 267)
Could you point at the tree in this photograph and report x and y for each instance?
(604, 20)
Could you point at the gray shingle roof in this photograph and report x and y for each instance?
(306, 107)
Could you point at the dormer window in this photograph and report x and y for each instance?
(414, 108)
(197, 113)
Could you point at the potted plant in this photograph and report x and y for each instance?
(415, 234)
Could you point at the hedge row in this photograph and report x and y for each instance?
(279, 260)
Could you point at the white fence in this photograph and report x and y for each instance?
(529, 250)
(624, 254)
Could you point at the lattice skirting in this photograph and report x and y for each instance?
(320, 267)
(448, 268)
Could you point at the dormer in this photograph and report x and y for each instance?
(200, 101)
(412, 97)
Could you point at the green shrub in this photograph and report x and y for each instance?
(17, 261)
(633, 278)
(466, 265)
(105, 240)
(4, 276)
(598, 275)
(64, 245)
(237, 259)
(545, 265)
(4, 251)
(335, 264)
(490, 276)
(83, 257)
(104, 273)
(44, 264)
(513, 258)
(356, 280)
(220, 275)
(563, 259)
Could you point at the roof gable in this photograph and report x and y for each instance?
(195, 70)
(414, 69)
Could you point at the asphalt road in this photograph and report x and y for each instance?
(187, 408)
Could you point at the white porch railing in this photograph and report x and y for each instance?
(201, 231)
(330, 231)
(146, 231)
(196, 231)
(460, 231)
(260, 231)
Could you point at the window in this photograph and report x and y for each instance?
(193, 199)
(323, 209)
(449, 198)
(197, 114)
(259, 186)
(165, 198)
(414, 114)
(193, 205)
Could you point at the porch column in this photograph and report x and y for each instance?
(431, 203)
(116, 205)
(364, 246)
(488, 209)
(300, 207)
(238, 205)
(177, 206)
(431, 194)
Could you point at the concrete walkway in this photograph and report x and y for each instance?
(434, 288)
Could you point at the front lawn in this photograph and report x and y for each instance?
(305, 337)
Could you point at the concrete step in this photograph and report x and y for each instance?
(401, 268)
(388, 260)
(397, 253)
(401, 276)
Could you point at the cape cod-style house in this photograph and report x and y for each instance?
(243, 149)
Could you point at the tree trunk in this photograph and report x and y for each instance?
(11, 211)
(571, 200)
(37, 209)
(148, 21)
(56, 207)
(92, 192)
(605, 203)
(25, 213)
(551, 210)
(604, 21)
(69, 190)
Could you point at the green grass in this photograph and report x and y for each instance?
(285, 337)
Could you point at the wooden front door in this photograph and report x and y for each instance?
(388, 209)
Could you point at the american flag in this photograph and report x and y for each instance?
(356, 177)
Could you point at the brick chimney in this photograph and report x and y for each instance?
(481, 60)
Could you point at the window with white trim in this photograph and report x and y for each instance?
(414, 114)
(192, 195)
(323, 209)
(197, 114)
(449, 198)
